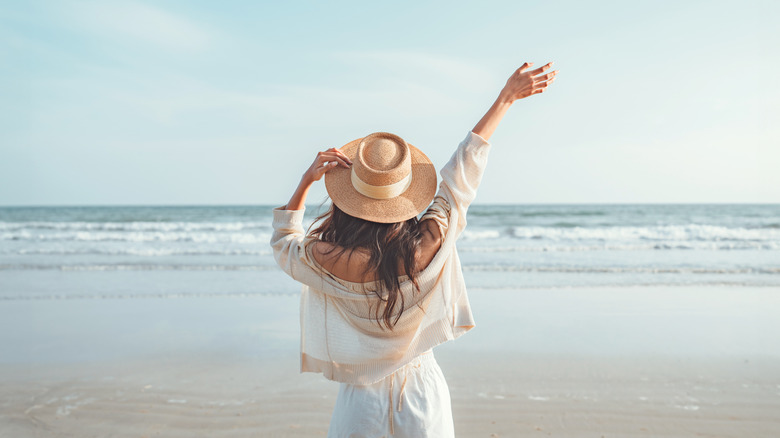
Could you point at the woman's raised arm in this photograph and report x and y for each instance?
(521, 84)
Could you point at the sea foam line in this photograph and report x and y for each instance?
(687, 232)
(136, 226)
(621, 269)
(656, 246)
(139, 236)
(135, 267)
(144, 252)
(670, 234)
(466, 267)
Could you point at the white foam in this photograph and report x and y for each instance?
(611, 246)
(141, 251)
(480, 234)
(619, 269)
(674, 233)
(136, 226)
(140, 236)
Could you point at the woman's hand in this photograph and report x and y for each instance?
(325, 161)
(521, 84)
(524, 83)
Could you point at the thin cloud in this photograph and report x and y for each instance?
(136, 21)
(420, 67)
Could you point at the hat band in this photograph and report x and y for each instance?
(380, 192)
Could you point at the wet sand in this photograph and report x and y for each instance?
(622, 362)
(492, 396)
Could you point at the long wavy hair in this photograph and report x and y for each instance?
(392, 248)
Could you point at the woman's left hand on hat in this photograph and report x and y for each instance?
(325, 161)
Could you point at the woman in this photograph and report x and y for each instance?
(381, 287)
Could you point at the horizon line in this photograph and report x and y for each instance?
(319, 205)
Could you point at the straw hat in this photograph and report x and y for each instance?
(389, 180)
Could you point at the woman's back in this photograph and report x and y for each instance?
(345, 333)
(350, 265)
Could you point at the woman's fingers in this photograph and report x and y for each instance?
(344, 156)
(323, 169)
(341, 158)
(546, 77)
(335, 157)
(525, 67)
(541, 69)
(325, 161)
(543, 84)
(340, 154)
(538, 88)
(327, 165)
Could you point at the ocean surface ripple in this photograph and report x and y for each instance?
(91, 249)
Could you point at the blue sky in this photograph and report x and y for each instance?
(196, 102)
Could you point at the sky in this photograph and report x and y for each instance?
(215, 103)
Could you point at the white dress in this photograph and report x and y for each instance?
(414, 401)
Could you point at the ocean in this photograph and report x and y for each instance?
(179, 251)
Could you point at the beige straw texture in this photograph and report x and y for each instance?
(381, 165)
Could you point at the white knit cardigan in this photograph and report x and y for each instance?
(340, 336)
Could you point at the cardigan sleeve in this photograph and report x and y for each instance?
(461, 177)
(287, 242)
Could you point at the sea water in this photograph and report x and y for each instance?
(179, 251)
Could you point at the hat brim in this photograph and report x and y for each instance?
(410, 203)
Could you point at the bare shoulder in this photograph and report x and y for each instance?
(323, 252)
(347, 265)
(431, 242)
(350, 265)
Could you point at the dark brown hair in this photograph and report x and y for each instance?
(392, 248)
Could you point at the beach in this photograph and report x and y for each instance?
(565, 362)
(591, 320)
(617, 228)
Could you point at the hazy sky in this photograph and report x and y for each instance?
(203, 102)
